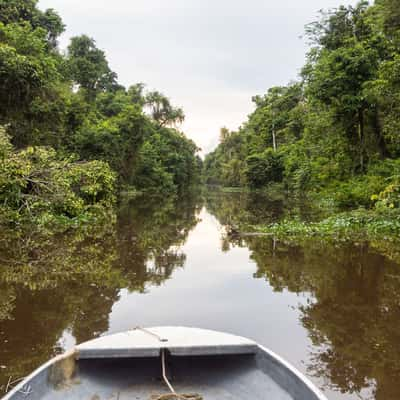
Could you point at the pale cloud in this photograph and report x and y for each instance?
(209, 56)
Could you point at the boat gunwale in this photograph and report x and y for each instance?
(35, 373)
(309, 384)
(75, 353)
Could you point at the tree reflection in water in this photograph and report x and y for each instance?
(50, 285)
(353, 313)
(54, 286)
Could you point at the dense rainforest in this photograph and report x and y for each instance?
(72, 137)
(334, 133)
(70, 134)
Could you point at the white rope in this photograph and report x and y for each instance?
(173, 395)
(164, 375)
(149, 332)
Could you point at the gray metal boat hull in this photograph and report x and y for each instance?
(247, 372)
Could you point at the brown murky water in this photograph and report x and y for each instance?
(331, 309)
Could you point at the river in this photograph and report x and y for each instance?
(331, 309)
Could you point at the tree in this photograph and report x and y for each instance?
(275, 120)
(390, 11)
(340, 124)
(223, 134)
(30, 83)
(89, 67)
(136, 94)
(162, 111)
(337, 80)
(67, 109)
(265, 168)
(38, 185)
(340, 66)
(22, 11)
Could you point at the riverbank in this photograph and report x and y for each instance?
(350, 225)
(320, 215)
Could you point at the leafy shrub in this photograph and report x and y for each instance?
(356, 224)
(378, 185)
(357, 192)
(151, 176)
(36, 184)
(390, 196)
(264, 168)
(232, 173)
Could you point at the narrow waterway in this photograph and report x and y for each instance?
(331, 309)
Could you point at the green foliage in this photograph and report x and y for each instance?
(355, 192)
(226, 164)
(162, 111)
(145, 153)
(89, 67)
(265, 168)
(389, 197)
(26, 11)
(115, 139)
(359, 224)
(151, 175)
(166, 163)
(276, 118)
(363, 190)
(335, 133)
(234, 172)
(27, 69)
(38, 186)
(71, 121)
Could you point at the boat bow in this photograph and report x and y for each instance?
(179, 341)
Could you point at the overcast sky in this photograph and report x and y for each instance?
(209, 56)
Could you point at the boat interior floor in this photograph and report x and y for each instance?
(212, 377)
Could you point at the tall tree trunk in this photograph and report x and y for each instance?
(273, 132)
(383, 150)
(274, 139)
(361, 136)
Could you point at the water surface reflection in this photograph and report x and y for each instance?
(332, 309)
